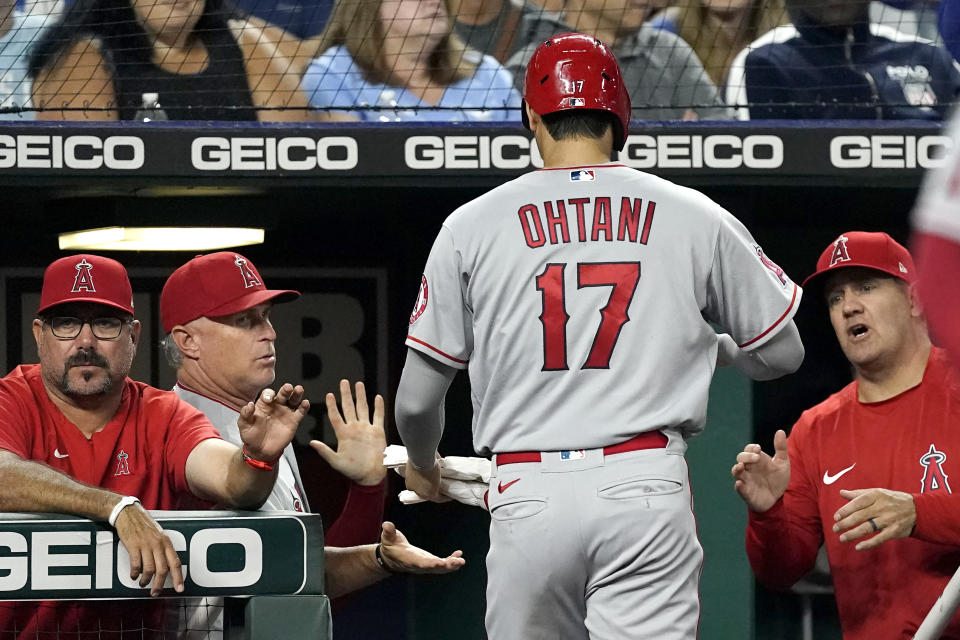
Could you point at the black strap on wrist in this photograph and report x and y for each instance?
(379, 557)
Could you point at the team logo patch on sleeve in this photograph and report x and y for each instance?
(582, 175)
(421, 304)
(771, 265)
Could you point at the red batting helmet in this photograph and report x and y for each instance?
(576, 71)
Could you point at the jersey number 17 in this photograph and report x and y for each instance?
(621, 277)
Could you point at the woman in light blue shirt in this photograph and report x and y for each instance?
(398, 60)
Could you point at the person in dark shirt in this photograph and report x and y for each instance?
(831, 62)
(101, 58)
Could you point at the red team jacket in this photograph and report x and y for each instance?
(141, 452)
(908, 443)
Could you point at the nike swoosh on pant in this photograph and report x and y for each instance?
(503, 487)
(830, 479)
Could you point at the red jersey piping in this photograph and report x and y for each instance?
(433, 348)
(778, 321)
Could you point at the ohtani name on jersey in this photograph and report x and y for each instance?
(600, 219)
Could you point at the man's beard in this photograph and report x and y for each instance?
(86, 357)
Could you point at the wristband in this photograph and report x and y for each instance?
(379, 557)
(125, 502)
(259, 465)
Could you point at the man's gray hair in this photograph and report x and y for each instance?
(171, 351)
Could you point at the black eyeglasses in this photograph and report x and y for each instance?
(106, 328)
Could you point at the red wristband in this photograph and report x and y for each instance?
(259, 465)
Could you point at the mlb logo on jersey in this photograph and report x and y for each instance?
(582, 175)
(576, 102)
(576, 454)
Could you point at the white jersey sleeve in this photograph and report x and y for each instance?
(938, 207)
(441, 322)
(748, 294)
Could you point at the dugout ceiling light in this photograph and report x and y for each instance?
(160, 238)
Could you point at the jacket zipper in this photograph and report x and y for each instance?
(848, 52)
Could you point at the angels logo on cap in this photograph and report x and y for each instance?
(250, 278)
(840, 253)
(84, 279)
(208, 286)
(866, 249)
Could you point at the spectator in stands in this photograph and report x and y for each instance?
(488, 26)
(216, 311)
(868, 470)
(74, 439)
(17, 31)
(719, 29)
(395, 60)
(665, 78)
(102, 56)
(831, 62)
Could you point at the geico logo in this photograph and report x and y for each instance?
(719, 151)
(888, 152)
(24, 561)
(71, 152)
(471, 152)
(334, 153)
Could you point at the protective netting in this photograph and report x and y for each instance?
(464, 60)
(164, 619)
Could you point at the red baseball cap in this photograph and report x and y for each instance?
(216, 284)
(86, 278)
(872, 250)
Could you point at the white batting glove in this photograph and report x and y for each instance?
(462, 478)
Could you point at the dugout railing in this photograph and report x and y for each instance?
(267, 567)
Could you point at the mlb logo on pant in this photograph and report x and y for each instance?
(576, 454)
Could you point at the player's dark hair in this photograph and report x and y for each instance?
(579, 123)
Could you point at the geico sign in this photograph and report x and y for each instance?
(71, 152)
(719, 151)
(30, 560)
(334, 153)
(471, 152)
(888, 152)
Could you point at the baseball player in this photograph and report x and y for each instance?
(580, 298)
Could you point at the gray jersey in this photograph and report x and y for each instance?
(202, 618)
(581, 299)
(938, 206)
(288, 493)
